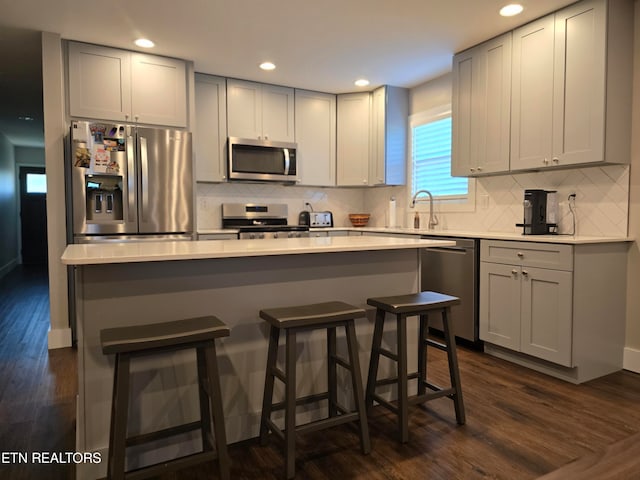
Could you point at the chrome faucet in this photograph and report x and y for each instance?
(433, 220)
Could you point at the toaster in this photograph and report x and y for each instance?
(315, 219)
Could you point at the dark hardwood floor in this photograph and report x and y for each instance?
(520, 424)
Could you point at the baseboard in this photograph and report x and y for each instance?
(631, 360)
(59, 338)
(8, 267)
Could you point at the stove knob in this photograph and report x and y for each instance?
(252, 236)
(275, 235)
(261, 235)
(290, 235)
(298, 235)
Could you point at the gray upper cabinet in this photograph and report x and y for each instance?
(372, 137)
(571, 88)
(210, 134)
(481, 107)
(353, 139)
(110, 84)
(260, 111)
(389, 115)
(315, 125)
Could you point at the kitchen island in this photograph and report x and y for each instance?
(134, 283)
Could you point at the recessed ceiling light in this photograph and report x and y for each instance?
(26, 118)
(511, 10)
(267, 66)
(361, 82)
(144, 43)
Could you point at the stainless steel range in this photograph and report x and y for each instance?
(258, 221)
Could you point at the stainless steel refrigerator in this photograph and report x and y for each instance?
(129, 183)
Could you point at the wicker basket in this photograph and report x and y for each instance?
(359, 219)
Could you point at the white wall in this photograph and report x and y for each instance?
(632, 352)
(8, 207)
(54, 130)
(32, 156)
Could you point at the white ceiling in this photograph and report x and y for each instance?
(319, 45)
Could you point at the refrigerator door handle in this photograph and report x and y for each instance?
(131, 179)
(144, 163)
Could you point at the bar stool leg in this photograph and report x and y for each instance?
(267, 400)
(454, 372)
(290, 404)
(205, 409)
(375, 357)
(403, 391)
(119, 418)
(213, 378)
(422, 354)
(332, 373)
(356, 382)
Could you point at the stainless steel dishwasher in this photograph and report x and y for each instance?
(454, 271)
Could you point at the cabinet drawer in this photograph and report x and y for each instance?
(529, 254)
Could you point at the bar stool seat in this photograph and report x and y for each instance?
(292, 320)
(402, 306)
(151, 339)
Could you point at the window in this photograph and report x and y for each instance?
(36, 183)
(431, 161)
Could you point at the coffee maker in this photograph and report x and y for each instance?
(540, 212)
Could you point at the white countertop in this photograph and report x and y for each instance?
(132, 252)
(567, 239)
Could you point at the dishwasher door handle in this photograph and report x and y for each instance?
(449, 249)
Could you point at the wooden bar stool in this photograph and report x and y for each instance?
(302, 318)
(140, 340)
(403, 306)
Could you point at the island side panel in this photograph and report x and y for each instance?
(234, 289)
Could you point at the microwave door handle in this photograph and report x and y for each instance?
(144, 163)
(287, 161)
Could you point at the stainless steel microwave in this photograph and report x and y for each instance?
(262, 160)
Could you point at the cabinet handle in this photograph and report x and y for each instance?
(479, 169)
(525, 273)
(545, 161)
(472, 169)
(520, 254)
(555, 159)
(266, 137)
(364, 181)
(514, 272)
(136, 118)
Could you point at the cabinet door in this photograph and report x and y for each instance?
(481, 108)
(389, 118)
(353, 139)
(546, 314)
(210, 133)
(495, 114)
(99, 82)
(158, 90)
(463, 108)
(579, 85)
(244, 109)
(315, 120)
(278, 113)
(532, 94)
(500, 304)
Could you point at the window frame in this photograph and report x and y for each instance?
(466, 203)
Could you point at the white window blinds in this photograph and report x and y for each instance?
(431, 160)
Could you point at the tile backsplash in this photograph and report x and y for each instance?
(340, 201)
(601, 201)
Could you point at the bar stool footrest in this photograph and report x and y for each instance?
(164, 433)
(385, 403)
(425, 397)
(327, 422)
(316, 397)
(435, 344)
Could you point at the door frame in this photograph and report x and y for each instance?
(19, 166)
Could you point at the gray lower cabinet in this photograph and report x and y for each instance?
(553, 307)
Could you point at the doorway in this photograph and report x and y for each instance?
(33, 215)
